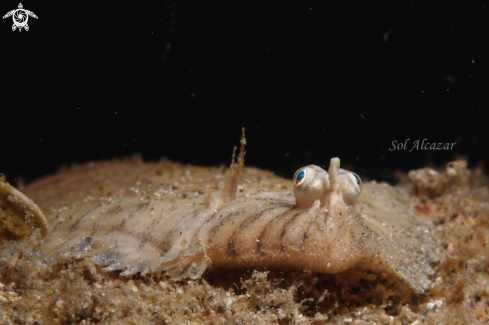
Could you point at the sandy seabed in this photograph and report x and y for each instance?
(77, 291)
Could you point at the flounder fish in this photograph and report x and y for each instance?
(147, 217)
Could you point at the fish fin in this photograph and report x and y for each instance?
(236, 167)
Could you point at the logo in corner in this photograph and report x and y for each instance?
(20, 17)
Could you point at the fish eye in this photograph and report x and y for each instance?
(357, 178)
(351, 186)
(311, 183)
(300, 176)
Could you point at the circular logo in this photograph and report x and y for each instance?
(20, 17)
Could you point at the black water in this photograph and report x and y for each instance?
(308, 79)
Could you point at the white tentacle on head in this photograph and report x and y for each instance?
(311, 183)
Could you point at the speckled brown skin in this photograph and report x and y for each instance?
(267, 231)
(127, 215)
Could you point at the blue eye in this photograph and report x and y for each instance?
(301, 175)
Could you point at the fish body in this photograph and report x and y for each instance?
(154, 217)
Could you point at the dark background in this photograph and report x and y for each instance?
(308, 79)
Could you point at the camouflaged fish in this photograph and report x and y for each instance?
(154, 217)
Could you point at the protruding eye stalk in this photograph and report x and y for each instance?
(351, 186)
(312, 183)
